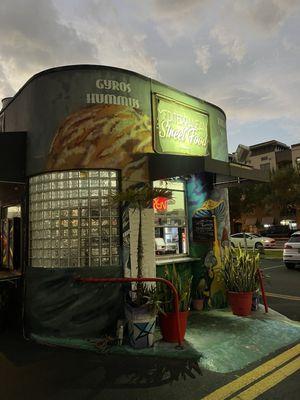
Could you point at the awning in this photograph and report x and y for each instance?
(163, 166)
(267, 220)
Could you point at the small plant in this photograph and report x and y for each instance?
(151, 295)
(183, 287)
(239, 270)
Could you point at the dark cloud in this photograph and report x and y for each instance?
(241, 55)
(33, 38)
(268, 16)
(5, 87)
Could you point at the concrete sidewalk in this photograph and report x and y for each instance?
(218, 340)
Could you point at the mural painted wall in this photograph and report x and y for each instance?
(205, 201)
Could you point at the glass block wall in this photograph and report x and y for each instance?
(71, 221)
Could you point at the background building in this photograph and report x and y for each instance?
(267, 156)
(296, 155)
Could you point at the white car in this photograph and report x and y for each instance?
(253, 241)
(161, 247)
(291, 251)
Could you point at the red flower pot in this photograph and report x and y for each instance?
(240, 303)
(168, 326)
(198, 304)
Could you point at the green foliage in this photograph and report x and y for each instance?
(239, 270)
(285, 185)
(281, 193)
(140, 197)
(246, 198)
(183, 287)
(151, 295)
(200, 289)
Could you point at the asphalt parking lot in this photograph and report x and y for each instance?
(283, 285)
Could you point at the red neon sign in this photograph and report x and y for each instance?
(160, 204)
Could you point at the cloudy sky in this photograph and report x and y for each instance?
(243, 55)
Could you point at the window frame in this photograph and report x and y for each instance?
(186, 219)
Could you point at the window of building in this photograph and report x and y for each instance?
(264, 158)
(171, 235)
(298, 163)
(12, 212)
(265, 167)
(71, 223)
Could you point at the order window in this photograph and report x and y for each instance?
(171, 219)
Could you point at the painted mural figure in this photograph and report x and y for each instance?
(210, 262)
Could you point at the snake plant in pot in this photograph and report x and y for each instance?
(142, 303)
(198, 295)
(240, 276)
(167, 318)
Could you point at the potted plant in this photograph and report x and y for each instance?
(142, 303)
(167, 318)
(240, 276)
(198, 298)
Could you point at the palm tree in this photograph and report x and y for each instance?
(139, 198)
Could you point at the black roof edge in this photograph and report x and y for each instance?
(95, 66)
(269, 142)
(163, 166)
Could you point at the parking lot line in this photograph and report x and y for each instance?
(274, 267)
(250, 377)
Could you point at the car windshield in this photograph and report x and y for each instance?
(255, 235)
(294, 239)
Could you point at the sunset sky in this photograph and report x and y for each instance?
(243, 55)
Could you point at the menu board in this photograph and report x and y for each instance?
(203, 229)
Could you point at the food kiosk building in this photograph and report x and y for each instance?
(70, 138)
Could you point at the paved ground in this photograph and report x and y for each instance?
(31, 371)
(286, 282)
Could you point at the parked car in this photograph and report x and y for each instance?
(278, 231)
(291, 251)
(161, 247)
(252, 240)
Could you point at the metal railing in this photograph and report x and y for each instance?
(130, 280)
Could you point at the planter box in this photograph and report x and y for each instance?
(240, 303)
(168, 326)
(198, 304)
(141, 326)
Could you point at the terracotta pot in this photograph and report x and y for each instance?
(240, 303)
(168, 326)
(198, 304)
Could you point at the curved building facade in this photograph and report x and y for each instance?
(79, 134)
